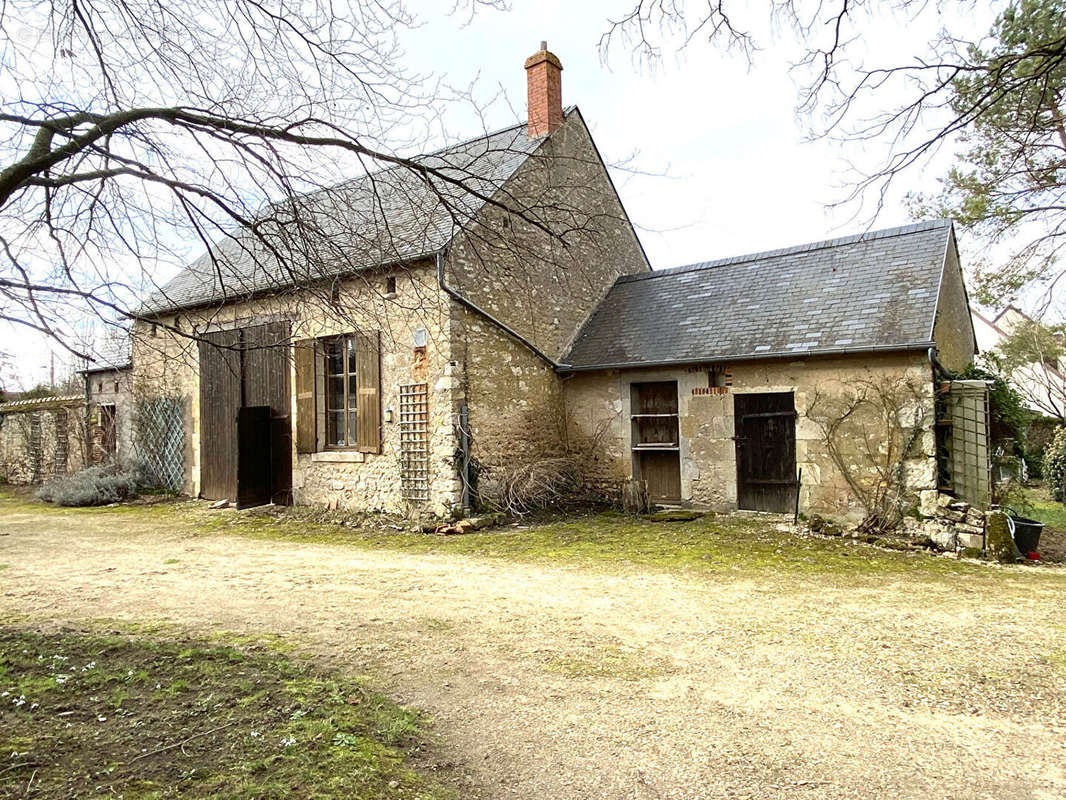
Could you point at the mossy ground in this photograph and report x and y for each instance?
(87, 714)
(740, 545)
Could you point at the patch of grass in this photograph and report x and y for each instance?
(1042, 508)
(436, 624)
(748, 547)
(120, 715)
(1057, 659)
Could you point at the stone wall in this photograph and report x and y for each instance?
(707, 449)
(167, 362)
(953, 327)
(40, 439)
(514, 397)
(952, 524)
(545, 287)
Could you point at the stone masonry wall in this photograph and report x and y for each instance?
(41, 442)
(166, 362)
(514, 396)
(707, 449)
(953, 329)
(531, 281)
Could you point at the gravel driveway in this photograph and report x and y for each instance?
(560, 681)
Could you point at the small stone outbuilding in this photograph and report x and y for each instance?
(109, 400)
(780, 380)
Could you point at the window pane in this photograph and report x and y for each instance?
(335, 393)
(353, 434)
(353, 394)
(351, 353)
(335, 356)
(335, 434)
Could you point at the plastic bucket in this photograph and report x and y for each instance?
(1027, 534)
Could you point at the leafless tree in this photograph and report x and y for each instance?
(134, 133)
(1000, 91)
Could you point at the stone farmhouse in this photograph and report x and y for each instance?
(446, 336)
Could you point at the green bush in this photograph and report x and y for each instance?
(1055, 463)
(93, 486)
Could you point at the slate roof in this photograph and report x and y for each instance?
(111, 351)
(873, 291)
(385, 217)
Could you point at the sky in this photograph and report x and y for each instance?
(717, 161)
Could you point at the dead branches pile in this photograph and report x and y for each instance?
(532, 486)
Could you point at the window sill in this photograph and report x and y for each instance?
(339, 456)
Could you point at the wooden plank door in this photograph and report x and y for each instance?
(220, 398)
(656, 439)
(765, 426)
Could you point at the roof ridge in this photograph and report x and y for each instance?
(444, 148)
(884, 233)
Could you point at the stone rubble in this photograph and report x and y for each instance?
(951, 524)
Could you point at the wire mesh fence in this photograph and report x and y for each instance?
(158, 440)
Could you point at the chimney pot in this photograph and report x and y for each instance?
(544, 85)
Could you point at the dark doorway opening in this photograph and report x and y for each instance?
(245, 455)
(656, 439)
(108, 433)
(765, 426)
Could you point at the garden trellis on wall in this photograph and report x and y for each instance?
(158, 440)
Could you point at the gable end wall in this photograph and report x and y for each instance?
(529, 280)
(953, 329)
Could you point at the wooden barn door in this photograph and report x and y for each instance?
(656, 440)
(220, 397)
(766, 451)
(240, 369)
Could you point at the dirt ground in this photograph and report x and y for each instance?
(563, 681)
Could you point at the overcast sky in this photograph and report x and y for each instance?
(729, 169)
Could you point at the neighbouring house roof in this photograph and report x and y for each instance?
(874, 291)
(385, 217)
(40, 403)
(111, 352)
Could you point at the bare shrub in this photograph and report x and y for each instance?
(93, 486)
(532, 485)
(559, 468)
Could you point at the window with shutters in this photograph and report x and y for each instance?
(338, 393)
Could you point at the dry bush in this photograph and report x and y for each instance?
(555, 469)
(93, 486)
(532, 485)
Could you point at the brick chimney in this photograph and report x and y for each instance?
(544, 82)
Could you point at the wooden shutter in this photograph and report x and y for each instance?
(304, 356)
(368, 376)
